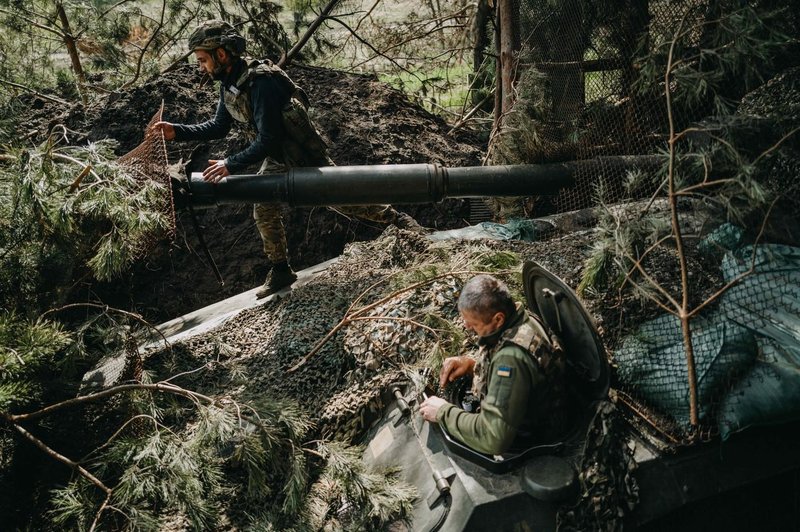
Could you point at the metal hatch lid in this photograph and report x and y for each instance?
(561, 310)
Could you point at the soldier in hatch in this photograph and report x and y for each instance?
(261, 95)
(517, 375)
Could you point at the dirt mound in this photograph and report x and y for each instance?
(365, 121)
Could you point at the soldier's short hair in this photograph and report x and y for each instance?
(486, 295)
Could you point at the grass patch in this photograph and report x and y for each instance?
(438, 89)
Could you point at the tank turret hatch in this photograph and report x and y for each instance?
(559, 307)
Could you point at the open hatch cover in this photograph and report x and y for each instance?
(561, 310)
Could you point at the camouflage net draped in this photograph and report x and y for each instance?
(591, 85)
(148, 161)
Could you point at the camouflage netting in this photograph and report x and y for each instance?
(586, 86)
(148, 161)
(590, 84)
(397, 300)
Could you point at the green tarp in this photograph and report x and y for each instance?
(747, 348)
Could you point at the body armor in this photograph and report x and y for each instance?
(302, 145)
(548, 404)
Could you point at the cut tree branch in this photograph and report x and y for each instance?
(323, 15)
(34, 92)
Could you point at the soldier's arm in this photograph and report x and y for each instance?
(267, 99)
(492, 430)
(216, 128)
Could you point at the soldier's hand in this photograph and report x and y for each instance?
(430, 407)
(455, 367)
(166, 128)
(216, 172)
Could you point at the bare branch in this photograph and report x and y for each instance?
(146, 46)
(108, 392)
(733, 282)
(397, 318)
(34, 92)
(49, 451)
(100, 512)
(375, 50)
(776, 145)
(288, 56)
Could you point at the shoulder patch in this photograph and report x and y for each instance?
(504, 371)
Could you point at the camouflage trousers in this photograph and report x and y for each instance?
(269, 216)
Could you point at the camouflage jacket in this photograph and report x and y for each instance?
(519, 378)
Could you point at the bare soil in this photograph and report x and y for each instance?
(365, 122)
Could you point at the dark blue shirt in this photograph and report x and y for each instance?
(268, 96)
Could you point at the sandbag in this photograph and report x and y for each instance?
(767, 302)
(653, 362)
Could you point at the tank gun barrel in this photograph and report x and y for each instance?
(403, 183)
(379, 184)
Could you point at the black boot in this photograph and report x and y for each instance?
(279, 277)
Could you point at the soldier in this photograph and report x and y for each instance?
(517, 375)
(261, 95)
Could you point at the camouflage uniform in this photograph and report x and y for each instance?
(519, 379)
(300, 146)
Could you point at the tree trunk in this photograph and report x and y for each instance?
(508, 15)
(72, 50)
(691, 371)
(498, 76)
(480, 33)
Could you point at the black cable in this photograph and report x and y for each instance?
(447, 499)
(193, 216)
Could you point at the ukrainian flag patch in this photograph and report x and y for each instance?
(504, 371)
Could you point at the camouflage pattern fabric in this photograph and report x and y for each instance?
(302, 146)
(547, 354)
(302, 137)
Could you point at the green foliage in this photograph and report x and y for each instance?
(719, 52)
(713, 53)
(497, 261)
(449, 346)
(28, 352)
(350, 497)
(528, 135)
(114, 43)
(597, 268)
(51, 224)
(250, 452)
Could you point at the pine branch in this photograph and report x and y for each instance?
(106, 309)
(195, 397)
(53, 454)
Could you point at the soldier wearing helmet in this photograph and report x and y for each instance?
(262, 96)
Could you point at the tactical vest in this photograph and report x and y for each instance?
(547, 414)
(303, 144)
(531, 336)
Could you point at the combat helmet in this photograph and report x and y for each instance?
(213, 34)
